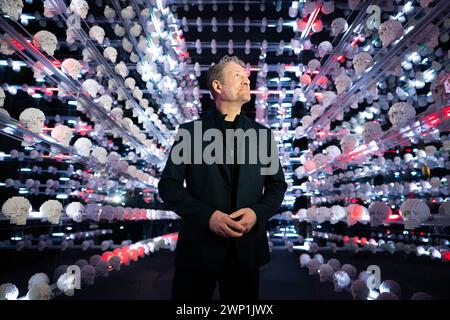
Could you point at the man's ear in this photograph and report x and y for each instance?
(217, 87)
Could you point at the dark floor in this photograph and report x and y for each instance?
(282, 279)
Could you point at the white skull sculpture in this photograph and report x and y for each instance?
(361, 62)
(75, 211)
(33, 119)
(401, 114)
(8, 291)
(326, 273)
(66, 283)
(390, 31)
(115, 261)
(342, 83)
(102, 268)
(17, 208)
(348, 143)
(341, 280)
(378, 212)
(88, 274)
(338, 26)
(52, 210)
(313, 266)
(304, 260)
(415, 212)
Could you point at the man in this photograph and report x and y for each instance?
(226, 204)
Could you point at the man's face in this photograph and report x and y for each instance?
(235, 85)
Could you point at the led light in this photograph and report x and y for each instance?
(408, 7)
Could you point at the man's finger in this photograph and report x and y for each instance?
(231, 232)
(236, 214)
(235, 225)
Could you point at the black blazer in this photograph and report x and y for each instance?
(208, 189)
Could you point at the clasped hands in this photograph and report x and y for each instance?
(233, 225)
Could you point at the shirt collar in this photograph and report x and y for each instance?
(219, 118)
(218, 115)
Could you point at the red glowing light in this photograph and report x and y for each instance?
(432, 120)
(319, 96)
(446, 256)
(141, 251)
(173, 236)
(394, 217)
(17, 45)
(357, 41)
(321, 134)
(446, 112)
(61, 156)
(346, 239)
(56, 63)
(340, 58)
(124, 257)
(85, 129)
(107, 255)
(136, 216)
(316, 25)
(134, 254)
(148, 199)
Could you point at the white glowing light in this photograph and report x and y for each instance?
(408, 7)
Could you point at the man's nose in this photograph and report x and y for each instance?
(245, 80)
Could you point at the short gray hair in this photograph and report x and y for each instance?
(215, 71)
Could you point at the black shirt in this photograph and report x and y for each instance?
(234, 167)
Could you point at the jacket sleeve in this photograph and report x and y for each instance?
(274, 188)
(175, 195)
